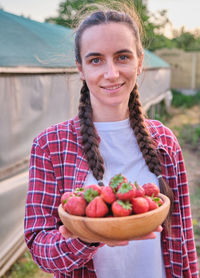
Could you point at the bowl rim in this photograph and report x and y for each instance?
(113, 218)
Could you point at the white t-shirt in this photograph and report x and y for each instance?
(121, 154)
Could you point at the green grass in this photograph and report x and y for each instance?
(185, 101)
(23, 268)
(159, 112)
(189, 134)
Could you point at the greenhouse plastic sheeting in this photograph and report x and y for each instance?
(30, 103)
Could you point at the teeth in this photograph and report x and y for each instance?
(114, 87)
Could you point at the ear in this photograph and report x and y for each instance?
(79, 67)
(140, 63)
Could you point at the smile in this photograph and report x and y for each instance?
(114, 87)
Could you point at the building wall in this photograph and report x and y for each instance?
(185, 68)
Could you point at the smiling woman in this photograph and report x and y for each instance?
(110, 135)
(109, 69)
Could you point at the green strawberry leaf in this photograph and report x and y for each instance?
(125, 205)
(125, 187)
(136, 184)
(79, 189)
(116, 180)
(157, 200)
(90, 194)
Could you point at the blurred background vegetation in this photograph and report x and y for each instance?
(153, 24)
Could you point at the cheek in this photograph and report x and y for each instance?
(92, 76)
(130, 75)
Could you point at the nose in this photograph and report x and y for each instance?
(111, 71)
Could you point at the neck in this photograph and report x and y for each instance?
(110, 115)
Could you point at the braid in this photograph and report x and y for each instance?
(90, 138)
(146, 144)
(142, 135)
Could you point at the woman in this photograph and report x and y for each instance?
(109, 136)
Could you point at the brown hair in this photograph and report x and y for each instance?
(90, 138)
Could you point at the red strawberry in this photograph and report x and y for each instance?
(79, 191)
(76, 205)
(97, 208)
(116, 181)
(120, 208)
(158, 200)
(91, 191)
(151, 189)
(108, 195)
(94, 187)
(140, 205)
(65, 196)
(152, 204)
(139, 190)
(126, 191)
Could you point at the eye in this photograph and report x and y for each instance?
(123, 57)
(95, 60)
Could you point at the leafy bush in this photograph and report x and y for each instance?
(185, 101)
(190, 134)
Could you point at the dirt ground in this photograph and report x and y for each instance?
(191, 158)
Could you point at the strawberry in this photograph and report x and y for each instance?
(91, 191)
(94, 187)
(76, 205)
(120, 208)
(65, 196)
(97, 208)
(158, 200)
(151, 189)
(108, 195)
(139, 190)
(126, 191)
(116, 181)
(79, 191)
(152, 204)
(140, 205)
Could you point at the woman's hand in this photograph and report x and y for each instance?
(67, 234)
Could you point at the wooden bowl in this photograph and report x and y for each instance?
(115, 228)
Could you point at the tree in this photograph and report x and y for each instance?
(152, 40)
(187, 40)
(67, 12)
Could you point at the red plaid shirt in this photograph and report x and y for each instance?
(58, 165)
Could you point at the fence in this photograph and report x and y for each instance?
(185, 67)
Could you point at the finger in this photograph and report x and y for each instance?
(151, 235)
(117, 243)
(159, 229)
(65, 233)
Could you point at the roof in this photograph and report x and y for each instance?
(25, 42)
(151, 60)
(28, 43)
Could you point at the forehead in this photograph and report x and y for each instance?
(107, 37)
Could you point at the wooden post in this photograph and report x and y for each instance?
(193, 78)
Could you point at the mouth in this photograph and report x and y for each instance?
(112, 88)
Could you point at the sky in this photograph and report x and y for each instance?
(180, 12)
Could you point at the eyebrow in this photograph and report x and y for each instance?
(99, 54)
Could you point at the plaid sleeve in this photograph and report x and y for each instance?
(49, 249)
(188, 237)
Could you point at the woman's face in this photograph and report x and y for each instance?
(110, 66)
